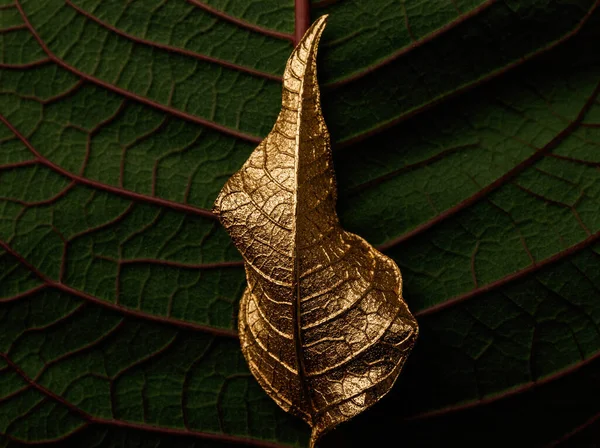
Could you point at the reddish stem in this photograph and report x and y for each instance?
(302, 19)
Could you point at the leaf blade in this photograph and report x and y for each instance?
(322, 322)
(194, 171)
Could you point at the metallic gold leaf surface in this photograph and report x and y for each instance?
(322, 322)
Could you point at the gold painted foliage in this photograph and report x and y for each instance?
(322, 322)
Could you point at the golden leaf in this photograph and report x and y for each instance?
(322, 322)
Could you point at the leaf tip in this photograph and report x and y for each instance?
(313, 34)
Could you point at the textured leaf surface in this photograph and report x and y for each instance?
(322, 322)
(466, 145)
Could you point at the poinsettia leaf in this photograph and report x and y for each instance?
(466, 140)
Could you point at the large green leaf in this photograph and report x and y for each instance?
(467, 146)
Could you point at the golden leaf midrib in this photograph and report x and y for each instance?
(301, 368)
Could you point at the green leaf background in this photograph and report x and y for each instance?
(467, 147)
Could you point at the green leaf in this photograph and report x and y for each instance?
(467, 146)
